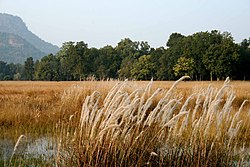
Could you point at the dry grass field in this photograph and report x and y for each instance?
(111, 123)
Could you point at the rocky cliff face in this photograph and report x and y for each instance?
(15, 25)
(14, 49)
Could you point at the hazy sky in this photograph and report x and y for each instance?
(103, 22)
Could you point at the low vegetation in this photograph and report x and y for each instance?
(111, 123)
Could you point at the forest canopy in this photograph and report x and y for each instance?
(203, 56)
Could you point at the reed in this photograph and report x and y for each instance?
(16, 146)
(128, 130)
(130, 123)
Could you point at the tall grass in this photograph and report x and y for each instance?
(140, 129)
(128, 123)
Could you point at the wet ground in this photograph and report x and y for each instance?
(43, 148)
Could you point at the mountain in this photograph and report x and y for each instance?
(14, 49)
(15, 25)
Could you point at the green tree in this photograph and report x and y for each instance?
(205, 48)
(129, 52)
(144, 48)
(14, 71)
(127, 48)
(48, 69)
(79, 58)
(184, 66)
(195, 47)
(243, 68)
(67, 63)
(169, 58)
(29, 69)
(3, 70)
(143, 69)
(108, 63)
(89, 65)
(174, 39)
(221, 58)
(156, 57)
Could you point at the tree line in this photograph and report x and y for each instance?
(203, 56)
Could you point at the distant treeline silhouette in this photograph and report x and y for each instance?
(203, 56)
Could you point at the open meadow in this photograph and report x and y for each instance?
(125, 123)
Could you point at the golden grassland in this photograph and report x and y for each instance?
(103, 123)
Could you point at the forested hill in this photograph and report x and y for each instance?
(14, 49)
(15, 25)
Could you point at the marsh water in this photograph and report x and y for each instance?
(44, 148)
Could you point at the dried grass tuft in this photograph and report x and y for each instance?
(130, 129)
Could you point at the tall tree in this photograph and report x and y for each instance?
(220, 59)
(174, 39)
(144, 48)
(143, 69)
(80, 60)
(108, 63)
(184, 66)
(129, 52)
(156, 57)
(48, 69)
(175, 49)
(66, 63)
(89, 66)
(3, 70)
(29, 69)
(242, 67)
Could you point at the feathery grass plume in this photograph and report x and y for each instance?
(100, 135)
(227, 81)
(233, 133)
(184, 106)
(242, 105)
(164, 114)
(16, 146)
(208, 98)
(227, 108)
(143, 96)
(127, 129)
(166, 99)
(169, 109)
(168, 94)
(184, 123)
(85, 112)
(147, 105)
(197, 106)
(174, 119)
(113, 93)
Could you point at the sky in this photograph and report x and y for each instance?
(106, 22)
